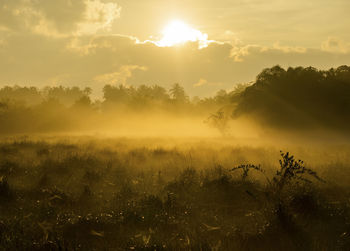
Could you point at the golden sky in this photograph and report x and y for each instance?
(133, 42)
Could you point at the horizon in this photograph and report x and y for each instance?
(214, 47)
(97, 94)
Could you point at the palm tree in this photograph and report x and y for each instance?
(178, 94)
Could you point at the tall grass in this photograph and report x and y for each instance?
(124, 195)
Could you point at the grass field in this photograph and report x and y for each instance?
(87, 193)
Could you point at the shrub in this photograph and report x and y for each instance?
(292, 170)
(246, 168)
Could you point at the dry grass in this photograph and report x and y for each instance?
(120, 194)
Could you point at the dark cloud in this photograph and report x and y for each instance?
(57, 17)
(63, 14)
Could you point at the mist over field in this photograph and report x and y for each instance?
(295, 101)
(175, 125)
(265, 166)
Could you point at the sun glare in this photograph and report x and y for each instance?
(178, 32)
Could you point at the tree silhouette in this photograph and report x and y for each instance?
(177, 93)
(299, 97)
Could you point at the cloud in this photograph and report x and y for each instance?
(205, 83)
(336, 45)
(289, 49)
(95, 60)
(58, 18)
(49, 42)
(201, 82)
(119, 77)
(60, 15)
(240, 53)
(98, 16)
(10, 15)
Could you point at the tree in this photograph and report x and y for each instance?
(118, 94)
(177, 93)
(66, 95)
(299, 98)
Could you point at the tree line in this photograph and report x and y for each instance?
(299, 97)
(31, 109)
(294, 98)
(152, 95)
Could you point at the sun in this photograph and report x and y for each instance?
(177, 32)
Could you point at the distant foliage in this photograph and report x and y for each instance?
(59, 108)
(178, 94)
(299, 97)
(135, 96)
(31, 96)
(292, 99)
(26, 95)
(66, 95)
(219, 120)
